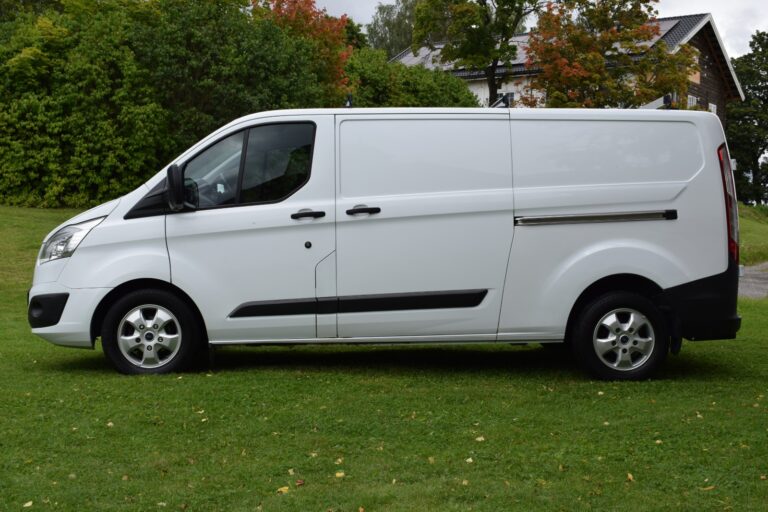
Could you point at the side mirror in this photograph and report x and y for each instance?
(175, 188)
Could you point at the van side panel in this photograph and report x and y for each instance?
(605, 196)
(432, 260)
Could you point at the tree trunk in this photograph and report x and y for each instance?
(493, 84)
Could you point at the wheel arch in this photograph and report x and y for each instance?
(140, 284)
(625, 282)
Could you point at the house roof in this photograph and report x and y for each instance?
(675, 31)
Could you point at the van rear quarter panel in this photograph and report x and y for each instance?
(595, 162)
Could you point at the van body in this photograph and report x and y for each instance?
(613, 232)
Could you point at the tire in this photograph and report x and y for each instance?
(621, 336)
(151, 332)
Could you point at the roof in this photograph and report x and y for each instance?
(675, 31)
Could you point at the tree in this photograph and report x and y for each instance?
(379, 83)
(477, 34)
(597, 53)
(302, 18)
(354, 36)
(391, 29)
(748, 122)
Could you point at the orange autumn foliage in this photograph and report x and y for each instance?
(303, 19)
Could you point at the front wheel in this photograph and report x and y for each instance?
(151, 331)
(621, 336)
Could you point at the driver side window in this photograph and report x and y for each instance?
(277, 162)
(214, 173)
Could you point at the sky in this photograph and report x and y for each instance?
(736, 20)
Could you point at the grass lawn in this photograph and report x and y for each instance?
(379, 428)
(753, 224)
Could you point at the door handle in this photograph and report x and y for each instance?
(307, 214)
(363, 209)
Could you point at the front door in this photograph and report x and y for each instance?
(247, 256)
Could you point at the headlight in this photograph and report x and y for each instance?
(64, 242)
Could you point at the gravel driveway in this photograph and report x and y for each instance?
(754, 284)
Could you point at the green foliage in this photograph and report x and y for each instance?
(748, 122)
(379, 83)
(354, 35)
(98, 97)
(477, 34)
(391, 28)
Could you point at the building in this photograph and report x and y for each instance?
(711, 88)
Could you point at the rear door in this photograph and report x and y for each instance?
(424, 223)
(248, 255)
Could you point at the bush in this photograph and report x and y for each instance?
(379, 83)
(100, 96)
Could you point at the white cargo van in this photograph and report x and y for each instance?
(612, 231)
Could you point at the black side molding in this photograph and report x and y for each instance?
(363, 303)
(593, 218)
(46, 310)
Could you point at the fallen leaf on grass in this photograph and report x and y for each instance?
(431, 460)
(480, 439)
(708, 488)
(125, 478)
(28, 504)
(283, 490)
(299, 483)
(339, 474)
(659, 441)
(469, 460)
(110, 424)
(630, 477)
(290, 471)
(465, 482)
(763, 477)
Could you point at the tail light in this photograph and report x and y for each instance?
(731, 207)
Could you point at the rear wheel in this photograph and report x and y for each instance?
(621, 336)
(151, 331)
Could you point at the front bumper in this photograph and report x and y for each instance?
(71, 326)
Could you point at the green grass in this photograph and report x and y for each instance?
(452, 428)
(753, 224)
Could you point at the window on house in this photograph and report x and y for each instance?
(692, 101)
(713, 108)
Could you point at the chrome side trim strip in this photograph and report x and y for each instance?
(589, 218)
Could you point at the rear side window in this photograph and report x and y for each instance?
(277, 162)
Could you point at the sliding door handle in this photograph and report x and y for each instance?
(307, 214)
(363, 209)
